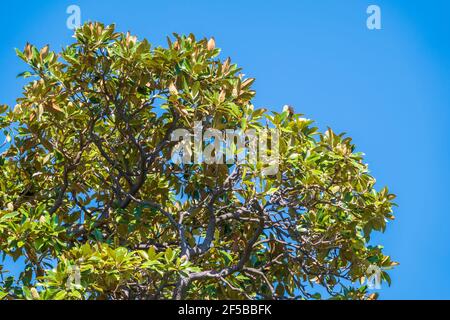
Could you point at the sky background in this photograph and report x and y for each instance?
(388, 89)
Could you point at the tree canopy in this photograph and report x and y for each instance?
(92, 207)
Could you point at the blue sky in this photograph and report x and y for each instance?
(388, 89)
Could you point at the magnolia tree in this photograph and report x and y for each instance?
(93, 204)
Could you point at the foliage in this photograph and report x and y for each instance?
(86, 181)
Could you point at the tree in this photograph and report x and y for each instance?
(92, 207)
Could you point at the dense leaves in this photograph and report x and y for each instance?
(91, 207)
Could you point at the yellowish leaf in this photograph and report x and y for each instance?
(222, 96)
(211, 44)
(172, 89)
(54, 108)
(34, 294)
(10, 206)
(44, 52)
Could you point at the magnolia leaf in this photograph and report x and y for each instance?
(211, 44)
(173, 89)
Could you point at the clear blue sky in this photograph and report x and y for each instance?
(388, 89)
